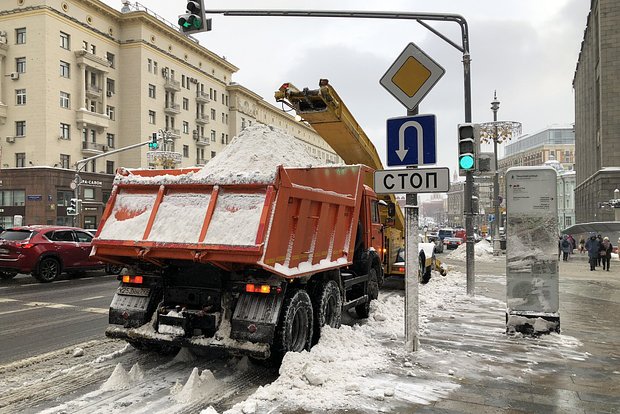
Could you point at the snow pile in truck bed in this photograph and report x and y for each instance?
(252, 157)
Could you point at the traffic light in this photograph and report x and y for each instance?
(469, 144)
(72, 209)
(154, 144)
(194, 20)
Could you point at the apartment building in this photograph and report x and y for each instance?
(81, 79)
(554, 142)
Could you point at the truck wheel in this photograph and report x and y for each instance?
(424, 272)
(372, 291)
(294, 331)
(7, 275)
(327, 307)
(48, 270)
(111, 269)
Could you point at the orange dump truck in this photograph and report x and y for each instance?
(252, 268)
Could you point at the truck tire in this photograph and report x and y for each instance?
(372, 290)
(327, 306)
(424, 272)
(294, 330)
(48, 270)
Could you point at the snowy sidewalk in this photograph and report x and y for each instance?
(466, 363)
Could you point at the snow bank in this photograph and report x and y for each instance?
(483, 250)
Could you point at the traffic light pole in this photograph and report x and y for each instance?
(421, 19)
(79, 165)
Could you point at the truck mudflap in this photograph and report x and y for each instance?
(132, 306)
(256, 317)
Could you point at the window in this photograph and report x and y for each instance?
(186, 104)
(226, 119)
(20, 36)
(110, 86)
(155, 67)
(93, 49)
(85, 45)
(151, 91)
(212, 135)
(186, 151)
(65, 131)
(65, 100)
(12, 198)
(105, 196)
(185, 127)
(65, 69)
(20, 128)
(110, 140)
(242, 123)
(226, 100)
(84, 237)
(223, 138)
(151, 117)
(183, 81)
(65, 40)
(89, 193)
(110, 112)
(223, 119)
(213, 114)
(110, 58)
(149, 65)
(222, 98)
(20, 97)
(109, 167)
(20, 65)
(213, 154)
(93, 168)
(63, 198)
(215, 95)
(20, 159)
(65, 161)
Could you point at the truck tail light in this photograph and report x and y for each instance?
(133, 279)
(255, 288)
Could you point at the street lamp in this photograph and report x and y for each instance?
(498, 132)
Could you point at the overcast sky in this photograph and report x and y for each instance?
(526, 50)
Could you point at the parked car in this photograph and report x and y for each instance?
(452, 242)
(45, 252)
(437, 241)
(445, 232)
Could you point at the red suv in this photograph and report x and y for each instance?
(45, 251)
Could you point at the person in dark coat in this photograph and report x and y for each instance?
(607, 248)
(600, 246)
(593, 247)
(566, 247)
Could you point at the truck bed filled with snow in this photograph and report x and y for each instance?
(263, 200)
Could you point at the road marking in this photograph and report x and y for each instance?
(96, 310)
(32, 305)
(62, 281)
(94, 297)
(8, 300)
(32, 284)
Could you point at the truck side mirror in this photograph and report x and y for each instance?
(391, 209)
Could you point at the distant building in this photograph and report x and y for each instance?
(597, 113)
(566, 195)
(456, 204)
(557, 142)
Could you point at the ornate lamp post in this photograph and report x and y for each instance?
(497, 132)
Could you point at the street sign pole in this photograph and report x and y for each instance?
(412, 259)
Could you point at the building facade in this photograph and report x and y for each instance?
(555, 142)
(81, 79)
(597, 113)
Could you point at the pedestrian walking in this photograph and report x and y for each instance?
(606, 250)
(600, 246)
(582, 245)
(566, 248)
(593, 246)
(573, 243)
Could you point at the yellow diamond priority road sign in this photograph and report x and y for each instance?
(411, 76)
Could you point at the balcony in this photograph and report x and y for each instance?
(93, 148)
(172, 109)
(3, 112)
(202, 119)
(201, 140)
(172, 85)
(87, 118)
(202, 97)
(200, 162)
(93, 91)
(92, 61)
(173, 133)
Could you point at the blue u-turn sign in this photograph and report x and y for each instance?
(412, 140)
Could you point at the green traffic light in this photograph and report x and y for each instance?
(466, 162)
